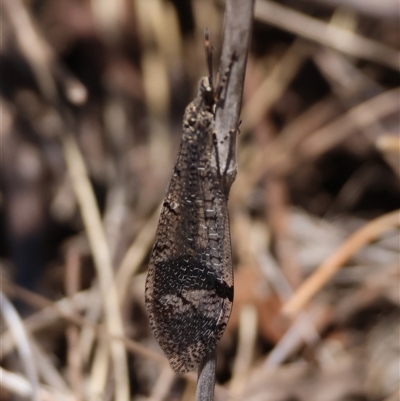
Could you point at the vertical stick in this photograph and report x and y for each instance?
(237, 35)
(206, 378)
(236, 40)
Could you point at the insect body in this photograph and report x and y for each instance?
(189, 285)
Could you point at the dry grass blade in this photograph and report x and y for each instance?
(303, 330)
(16, 384)
(65, 309)
(246, 344)
(102, 258)
(330, 266)
(163, 385)
(47, 371)
(361, 116)
(325, 34)
(389, 144)
(135, 254)
(276, 82)
(74, 357)
(33, 46)
(17, 329)
(50, 314)
(19, 386)
(99, 369)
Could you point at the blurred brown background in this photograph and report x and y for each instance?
(92, 98)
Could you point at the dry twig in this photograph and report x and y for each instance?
(330, 266)
(325, 34)
(236, 42)
(17, 329)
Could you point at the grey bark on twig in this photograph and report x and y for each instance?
(236, 41)
(206, 381)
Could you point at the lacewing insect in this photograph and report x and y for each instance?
(189, 285)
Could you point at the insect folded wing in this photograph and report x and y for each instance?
(189, 286)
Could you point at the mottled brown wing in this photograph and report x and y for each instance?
(189, 286)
